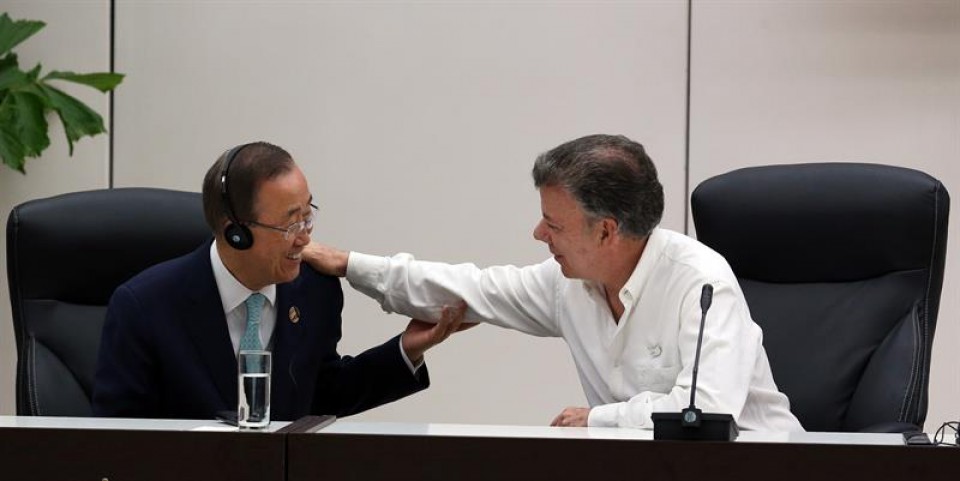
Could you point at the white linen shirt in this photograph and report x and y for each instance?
(631, 367)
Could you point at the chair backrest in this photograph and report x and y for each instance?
(65, 256)
(842, 266)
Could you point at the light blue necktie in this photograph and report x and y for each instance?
(251, 337)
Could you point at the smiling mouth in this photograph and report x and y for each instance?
(295, 257)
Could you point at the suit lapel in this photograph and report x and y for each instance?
(206, 326)
(286, 340)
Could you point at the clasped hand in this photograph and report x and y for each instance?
(421, 335)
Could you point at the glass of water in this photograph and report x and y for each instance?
(253, 382)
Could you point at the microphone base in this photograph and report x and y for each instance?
(712, 427)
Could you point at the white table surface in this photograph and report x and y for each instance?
(547, 432)
(122, 423)
(432, 429)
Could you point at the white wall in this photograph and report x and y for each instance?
(417, 124)
(76, 38)
(789, 82)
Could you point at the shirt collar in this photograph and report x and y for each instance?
(630, 292)
(233, 292)
(651, 255)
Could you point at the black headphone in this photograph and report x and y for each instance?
(236, 233)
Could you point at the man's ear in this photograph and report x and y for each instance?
(608, 230)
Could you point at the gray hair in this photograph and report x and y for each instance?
(609, 176)
(253, 164)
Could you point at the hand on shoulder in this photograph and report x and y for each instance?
(326, 259)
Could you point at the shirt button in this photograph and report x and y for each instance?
(655, 351)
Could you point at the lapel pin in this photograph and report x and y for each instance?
(294, 314)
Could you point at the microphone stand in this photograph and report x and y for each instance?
(691, 423)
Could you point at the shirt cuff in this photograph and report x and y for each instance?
(366, 274)
(605, 415)
(366, 269)
(413, 369)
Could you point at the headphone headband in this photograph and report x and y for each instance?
(236, 233)
(224, 193)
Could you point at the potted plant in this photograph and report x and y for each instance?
(26, 98)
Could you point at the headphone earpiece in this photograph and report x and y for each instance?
(235, 233)
(238, 236)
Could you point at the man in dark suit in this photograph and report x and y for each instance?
(172, 333)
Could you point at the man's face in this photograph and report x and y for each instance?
(280, 202)
(573, 242)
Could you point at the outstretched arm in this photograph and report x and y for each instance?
(513, 297)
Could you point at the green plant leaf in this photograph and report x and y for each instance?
(10, 147)
(36, 89)
(13, 32)
(34, 73)
(102, 81)
(26, 98)
(29, 122)
(10, 74)
(11, 151)
(9, 60)
(78, 119)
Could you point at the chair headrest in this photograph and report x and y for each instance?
(823, 222)
(78, 247)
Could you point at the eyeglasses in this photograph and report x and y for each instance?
(292, 230)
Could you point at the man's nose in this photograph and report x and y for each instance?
(539, 232)
(302, 238)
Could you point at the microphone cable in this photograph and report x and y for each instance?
(940, 437)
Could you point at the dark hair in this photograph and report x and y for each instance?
(609, 176)
(252, 164)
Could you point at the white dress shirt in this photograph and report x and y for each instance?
(233, 295)
(628, 369)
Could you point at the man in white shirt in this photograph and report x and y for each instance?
(623, 293)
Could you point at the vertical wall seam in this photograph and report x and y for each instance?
(686, 134)
(110, 123)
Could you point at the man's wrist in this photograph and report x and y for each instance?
(343, 259)
(604, 415)
(413, 362)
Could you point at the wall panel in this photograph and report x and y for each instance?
(808, 81)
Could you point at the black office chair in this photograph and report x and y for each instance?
(65, 256)
(842, 266)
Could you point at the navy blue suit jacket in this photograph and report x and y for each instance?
(165, 350)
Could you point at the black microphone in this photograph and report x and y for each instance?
(691, 423)
(706, 298)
